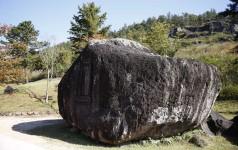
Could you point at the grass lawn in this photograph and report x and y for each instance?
(227, 108)
(24, 101)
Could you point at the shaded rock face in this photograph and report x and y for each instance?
(118, 90)
(216, 124)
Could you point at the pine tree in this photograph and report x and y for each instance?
(158, 40)
(231, 12)
(87, 25)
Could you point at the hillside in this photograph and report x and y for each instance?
(29, 99)
(225, 57)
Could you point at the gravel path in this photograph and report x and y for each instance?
(12, 135)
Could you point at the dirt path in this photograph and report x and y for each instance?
(12, 135)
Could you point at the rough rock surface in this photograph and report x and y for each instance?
(118, 90)
(196, 140)
(9, 90)
(206, 29)
(216, 124)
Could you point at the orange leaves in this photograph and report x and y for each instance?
(10, 70)
(4, 29)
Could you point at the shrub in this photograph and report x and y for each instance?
(37, 75)
(228, 92)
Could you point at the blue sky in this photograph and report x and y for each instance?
(52, 17)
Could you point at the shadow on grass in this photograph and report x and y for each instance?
(56, 129)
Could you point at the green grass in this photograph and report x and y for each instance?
(227, 108)
(22, 101)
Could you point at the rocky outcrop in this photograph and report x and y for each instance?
(204, 30)
(118, 90)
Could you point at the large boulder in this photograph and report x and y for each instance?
(118, 90)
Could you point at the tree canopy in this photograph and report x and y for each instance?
(10, 70)
(158, 40)
(25, 32)
(87, 25)
(232, 11)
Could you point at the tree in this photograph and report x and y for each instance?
(47, 55)
(87, 25)
(210, 15)
(158, 40)
(10, 70)
(23, 40)
(64, 58)
(24, 32)
(231, 12)
(46, 58)
(4, 29)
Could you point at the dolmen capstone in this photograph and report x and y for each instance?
(117, 90)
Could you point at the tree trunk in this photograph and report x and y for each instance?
(52, 64)
(52, 71)
(26, 75)
(47, 87)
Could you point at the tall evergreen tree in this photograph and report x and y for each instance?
(87, 25)
(231, 12)
(25, 33)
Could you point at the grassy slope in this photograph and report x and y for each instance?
(22, 102)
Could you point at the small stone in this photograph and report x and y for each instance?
(29, 113)
(166, 141)
(35, 113)
(9, 90)
(18, 113)
(196, 140)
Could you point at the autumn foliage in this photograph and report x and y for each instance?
(10, 69)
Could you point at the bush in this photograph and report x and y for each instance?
(228, 92)
(37, 75)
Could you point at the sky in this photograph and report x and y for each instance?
(52, 17)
